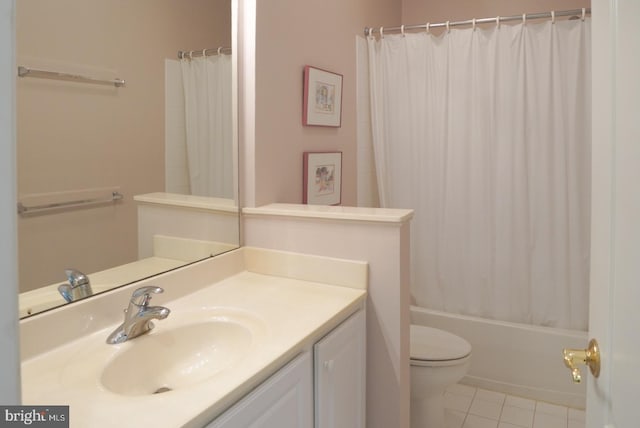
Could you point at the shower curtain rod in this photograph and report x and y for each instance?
(580, 13)
(203, 52)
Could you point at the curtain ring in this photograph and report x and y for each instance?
(402, 30)
(190, 55)
(204, 53)
(382, 32)
(448, 29)
(220, 50)
(369, 31)
(473, 23)
(584, 13)
(553, 17)
(524, 19)
(498, 21)
(428, 28)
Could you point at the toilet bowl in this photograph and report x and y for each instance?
(438, 359)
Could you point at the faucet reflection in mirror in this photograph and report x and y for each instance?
(78, 287)
(138, 316)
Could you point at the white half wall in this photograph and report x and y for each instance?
(379, 237)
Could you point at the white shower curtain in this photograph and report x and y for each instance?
(208, 121)
(486, 134)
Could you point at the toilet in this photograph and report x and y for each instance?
(438, 359)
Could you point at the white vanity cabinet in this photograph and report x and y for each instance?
(340, 376)
(321, 388)
(285, 400)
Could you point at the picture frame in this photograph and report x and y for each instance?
(322, 183)
(322, 101)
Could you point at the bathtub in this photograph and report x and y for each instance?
(516, 359)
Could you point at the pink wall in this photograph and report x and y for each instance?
(291, 34)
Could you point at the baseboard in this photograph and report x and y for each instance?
(577, 401)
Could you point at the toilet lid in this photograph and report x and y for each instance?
(431, 344)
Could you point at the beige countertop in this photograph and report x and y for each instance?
(289, 314)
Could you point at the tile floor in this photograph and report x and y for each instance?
(469, 407)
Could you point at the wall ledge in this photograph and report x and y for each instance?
(361, 214)
(187, 201)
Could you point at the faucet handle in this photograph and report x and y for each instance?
(142, 295)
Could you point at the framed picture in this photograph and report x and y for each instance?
(322, 104)
(322, 184)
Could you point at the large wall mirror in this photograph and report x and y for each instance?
(116, 181)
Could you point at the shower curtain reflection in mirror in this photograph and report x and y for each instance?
(200, 148)
(486, 133)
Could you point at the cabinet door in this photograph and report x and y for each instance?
(285, 400)
(340, 373)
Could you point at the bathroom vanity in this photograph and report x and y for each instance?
(255, 337)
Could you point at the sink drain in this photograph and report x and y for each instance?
(161, 390)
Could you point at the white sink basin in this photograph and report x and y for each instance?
(181, 352)
(165, 360)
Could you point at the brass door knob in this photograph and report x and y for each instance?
(589, 356)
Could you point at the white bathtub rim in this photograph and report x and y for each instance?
(531, 327)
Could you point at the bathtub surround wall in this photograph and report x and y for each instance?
(381, 237)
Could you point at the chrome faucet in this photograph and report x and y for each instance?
(78, 288)
(138, 316)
